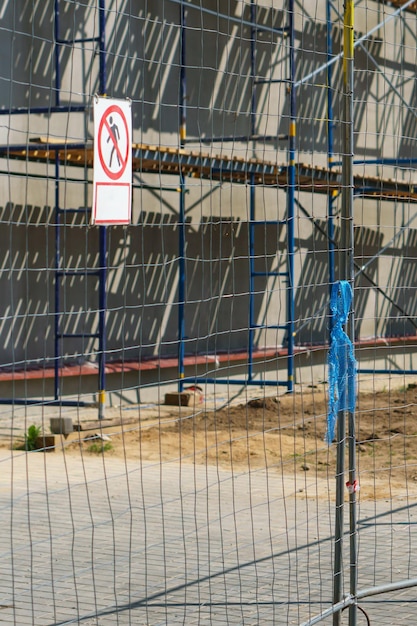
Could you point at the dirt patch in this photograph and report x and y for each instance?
(286, 435)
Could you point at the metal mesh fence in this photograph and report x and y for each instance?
(164, 383)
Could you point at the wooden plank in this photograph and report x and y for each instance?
(169, 160)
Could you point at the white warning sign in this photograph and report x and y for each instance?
(112, 188)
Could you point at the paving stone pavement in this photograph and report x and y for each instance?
(101, 541)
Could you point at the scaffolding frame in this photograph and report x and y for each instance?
(60, 272)
(253, 137)
(362, 188)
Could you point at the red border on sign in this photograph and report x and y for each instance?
(127, 221)
(113, 109)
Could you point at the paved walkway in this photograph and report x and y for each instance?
(99, 541)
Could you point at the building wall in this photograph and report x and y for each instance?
(143, 63)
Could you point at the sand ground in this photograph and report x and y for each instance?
(283, 433)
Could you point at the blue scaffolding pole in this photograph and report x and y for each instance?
(182, 289)
(102, 232)
(330, 144)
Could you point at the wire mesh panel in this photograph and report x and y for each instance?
(164, 385)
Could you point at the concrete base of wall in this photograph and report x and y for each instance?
(135, 383)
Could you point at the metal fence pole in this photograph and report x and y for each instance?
(347, 273)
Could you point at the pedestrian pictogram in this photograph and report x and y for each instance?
(114, 136)
(112, 161)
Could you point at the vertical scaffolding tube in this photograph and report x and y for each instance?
(181, 216)
(291, 201)
(102, 235)
(102, 47)
(57, 361)
(102, 322)
(57, 55)
(330, 142)
(252, 213)
(252, 197)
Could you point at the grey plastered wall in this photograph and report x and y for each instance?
(143, 63)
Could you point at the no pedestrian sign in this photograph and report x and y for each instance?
(112, 189)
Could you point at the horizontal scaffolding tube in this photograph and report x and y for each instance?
(236, 381)
(63, 108)
(31, 402)
(234, 138)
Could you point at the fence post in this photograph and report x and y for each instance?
(347, 273)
